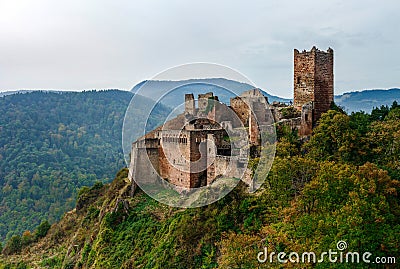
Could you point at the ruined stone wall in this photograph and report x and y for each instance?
(182, 155)
(254, 131)
(243, 106)
(174, 155)
(200, 147)
(198, 175)
(211, 154)
(307, 119)
(142, 168)
(229, 167)
(294, 123)
(190, 107)
(313, 80)
(261, 116)
(191, 153)
(203, 101)
(252, 108)
(241, 109)
(304, 77)
(133, 157)
(323, 82)
(221, 166)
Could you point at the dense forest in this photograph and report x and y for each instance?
(51, 144)
(340, 185)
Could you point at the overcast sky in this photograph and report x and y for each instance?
(95, 44)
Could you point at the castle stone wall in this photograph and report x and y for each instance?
(190, 107)
(313, 80)
(304, 77)
(323, 82)
(174, 157)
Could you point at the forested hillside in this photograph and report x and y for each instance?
(51, 144)
(341, 185)
(368, 99)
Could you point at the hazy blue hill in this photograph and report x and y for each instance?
(14, 92)
(353, 101)
(223, 88)
(51, 144)
(5, 93)
(367, 100)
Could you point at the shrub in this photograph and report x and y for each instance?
(22, 265)
(26, 238)
(289, 112)
(42, 229)
(83, 191)
(13, 245)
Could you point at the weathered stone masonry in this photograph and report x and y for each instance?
(191, 150)
(313, 85)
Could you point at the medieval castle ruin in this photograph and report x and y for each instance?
(313, 86)
(212, 139)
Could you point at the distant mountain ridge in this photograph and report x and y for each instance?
(5, 93)
(368, 99)
(354, 101)
(2, 94)
(223, 88)
(364, 100)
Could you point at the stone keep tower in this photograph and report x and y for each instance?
(313, 80)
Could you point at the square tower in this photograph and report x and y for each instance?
(313, 80)
(190, 107)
